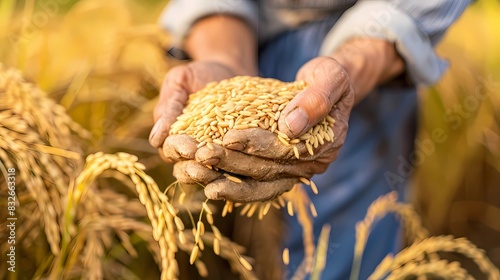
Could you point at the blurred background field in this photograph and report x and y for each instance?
(104, 62)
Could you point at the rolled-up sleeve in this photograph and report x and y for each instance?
(414, 26)
(179, 15)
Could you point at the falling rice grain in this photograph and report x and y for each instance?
(314, 188)
(245, 263)
(313, 210)
(286, 256)
(289, 208)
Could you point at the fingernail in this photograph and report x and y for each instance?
(297, 121)
(237, 146)
(154, 132)
(214, 192)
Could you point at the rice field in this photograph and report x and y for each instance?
(78, 83)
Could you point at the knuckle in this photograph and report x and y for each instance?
(320, 101)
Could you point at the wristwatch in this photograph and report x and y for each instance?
(178, 54)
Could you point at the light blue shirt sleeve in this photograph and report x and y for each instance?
(179, 15)
(414, 26)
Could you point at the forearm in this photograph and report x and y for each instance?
(369, 63)
(226, 40)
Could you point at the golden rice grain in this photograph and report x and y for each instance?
(282, 140)
(197, 235)
(232, 178)
(216, 246)
(200, 228)
(314, 188)
(286, 256)
(252, 209)
(245, 209)
(201, 244)
(182, 198)
(281, 201)
(305, 180)
(178, 223)
(309, 149)
(283, 135)
(245, 263)
(266, 208)
(210, 218)
(289, 208)
(194, 254)
(216, 232)
(182, 237)
(245, 102)
(224, 210)
(314, 213)
(207, 208)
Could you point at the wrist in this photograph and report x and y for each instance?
(226, 40)
(369, 62)
(235, 67)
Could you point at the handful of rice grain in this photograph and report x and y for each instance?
(246, 102)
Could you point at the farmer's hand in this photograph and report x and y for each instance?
(335, 84)
(222, 47)
(181, 149)
(266, 166)
(259, 155)
(179, 82)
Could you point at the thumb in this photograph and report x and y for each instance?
(167, 110)
(328, 82)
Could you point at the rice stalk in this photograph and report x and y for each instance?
(321, 253)
(434, 270)
(435, 245)
(44, 158)
(378, 209)
(155, 202)
(300, 201)
(229, 250)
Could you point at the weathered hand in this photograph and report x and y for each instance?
(330, 92)
(257, 155)
(181, 149)
(179, 82)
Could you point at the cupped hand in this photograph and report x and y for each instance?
(259, 154)
(267, 166)
(178, 84)
(182, 150)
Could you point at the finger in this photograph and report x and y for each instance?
(173, 98)
(265, 144)
(191, 172)
(254, 167)
(162, 156)
(328, 81)
(248, 190)
(257, 142)
(179, 147)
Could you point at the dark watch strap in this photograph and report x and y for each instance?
(178, 54)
